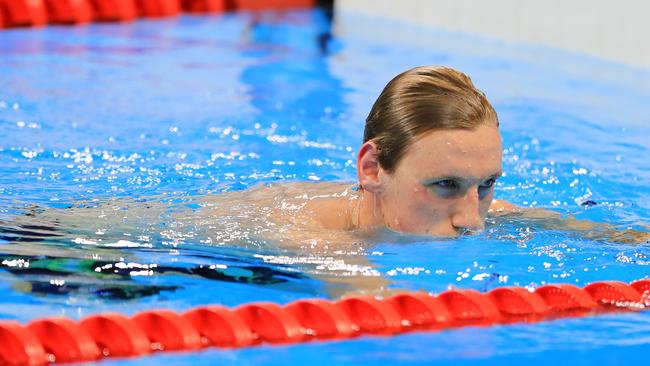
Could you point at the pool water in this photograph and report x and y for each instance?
(111, 135)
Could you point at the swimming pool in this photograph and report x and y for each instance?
(162, 112)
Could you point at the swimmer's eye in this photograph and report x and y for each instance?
(451, 187)
(446, 185)
(488, 183)
(486, 187)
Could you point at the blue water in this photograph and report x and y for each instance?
(164, 111)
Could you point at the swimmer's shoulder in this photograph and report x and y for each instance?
(311, 205)
(328, 204)
(501, 207)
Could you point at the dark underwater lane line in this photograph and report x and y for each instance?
(26, 232)
(114, 280)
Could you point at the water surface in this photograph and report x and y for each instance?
(112, 136)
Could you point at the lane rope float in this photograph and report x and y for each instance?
(98, 336)
(34, 13)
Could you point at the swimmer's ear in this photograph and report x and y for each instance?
(368, 167)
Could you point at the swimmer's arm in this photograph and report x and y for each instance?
(556, 221)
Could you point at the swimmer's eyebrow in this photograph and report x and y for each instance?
(496, 175)
(460, 179)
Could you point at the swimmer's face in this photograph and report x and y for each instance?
(444, 183)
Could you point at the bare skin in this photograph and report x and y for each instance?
(443, 186)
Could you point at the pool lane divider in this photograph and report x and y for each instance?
(95, 337)
(34, 13)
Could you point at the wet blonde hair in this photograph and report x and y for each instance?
(420, 100)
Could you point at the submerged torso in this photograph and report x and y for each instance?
(296, 214)
(293, 215)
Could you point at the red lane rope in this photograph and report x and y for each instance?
(33, 13)
(113, 335)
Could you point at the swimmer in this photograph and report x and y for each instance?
(430, 157)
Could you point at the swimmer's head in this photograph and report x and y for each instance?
(420, 100)
(431, 153)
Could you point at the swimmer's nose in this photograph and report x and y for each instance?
(466, 217)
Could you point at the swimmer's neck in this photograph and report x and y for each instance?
(366, 211)
(351, 208)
